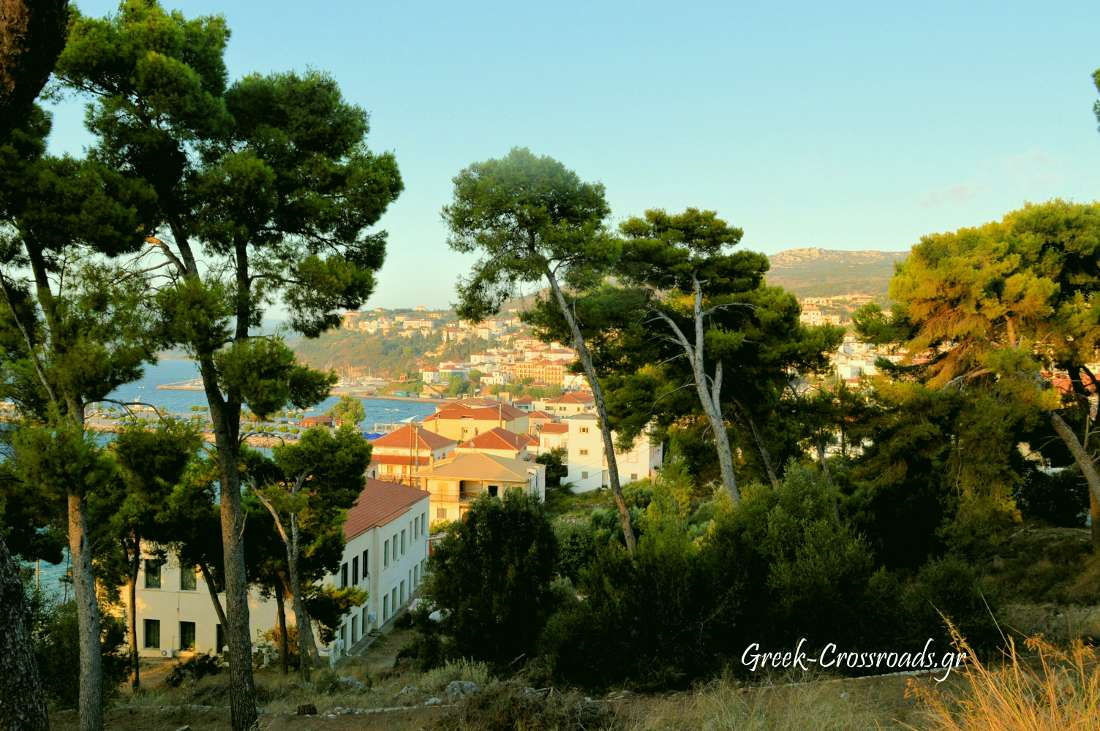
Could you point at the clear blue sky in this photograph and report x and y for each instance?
(840, 125)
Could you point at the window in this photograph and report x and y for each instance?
(187, 578)
(152, 633)
(354, 570)
(584, 430)
(584, 475)
(416, 526)
(365, 620)
(385, 607)
(584, 452)
(366, 555)
(402, 541)
(354, 628)
(633, 476)
(441, 513)
(493, 490)
(393, 600)
(402, 591)
(152, 574)
(343, 575)
(187, 635)
(386, 553)
(219, 637)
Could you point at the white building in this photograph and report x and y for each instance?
(385, 553)
(386, 534)
(176, 614)
(587, 465)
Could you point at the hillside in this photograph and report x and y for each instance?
(814, 272)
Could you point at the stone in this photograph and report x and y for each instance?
(352, 684)
(461, 688)
(408, 690)
(433, 701)
(307, 709)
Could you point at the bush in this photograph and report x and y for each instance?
(57, 651)
(576, 544)
(556, 469)
(194, 668)
(948, 589)
(1058, 498)
(490, 578)
(509, 706)
(778, 567)
(273, 638)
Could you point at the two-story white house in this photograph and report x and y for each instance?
(587, 464)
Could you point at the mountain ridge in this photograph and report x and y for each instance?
(816, 272)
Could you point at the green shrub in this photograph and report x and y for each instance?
(57, 651)
(490, 578)
(509, 706)
(948, 588)
(779, 566)
(1060, 498)
(194, 668)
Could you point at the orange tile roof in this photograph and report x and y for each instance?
(481, 413)
(496, 438)
(574, 397)
(403, 438)
(481, 466)
(555, 428)
(540, 415)
(378, 504)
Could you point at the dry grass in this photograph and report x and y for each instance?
(868, 703)
(1056, 690)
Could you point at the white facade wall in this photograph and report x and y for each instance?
(391, 580)
(396, 558)
(169, 606)
(587, 466)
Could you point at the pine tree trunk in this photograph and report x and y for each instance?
(1088, 468)
(761, 448)
(87, 613)
(601, 411)
(242, 685)
(710, 396)
(284, 645)
(131, 595)
(307, 650)
(208, 579)
(22, 704)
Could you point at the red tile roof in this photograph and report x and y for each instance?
(555, 428)
(540, 415)
(481, 413)
(397, 459)
(496, 438)
(378, 504)
(403, 438)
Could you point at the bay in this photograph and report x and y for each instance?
(179, 402)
